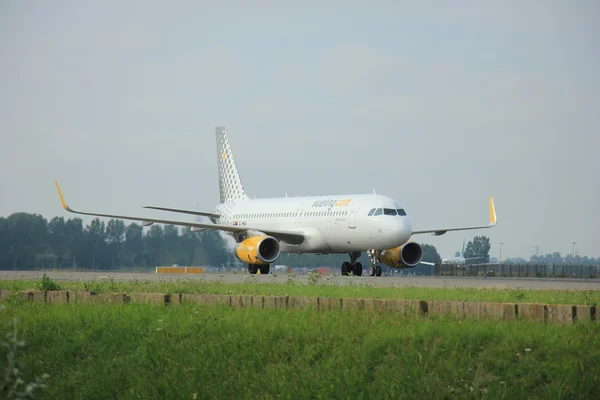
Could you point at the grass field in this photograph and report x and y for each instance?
(139, 351)
(333, 288)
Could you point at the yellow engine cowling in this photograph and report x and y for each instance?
(257, 250)
(406, 256)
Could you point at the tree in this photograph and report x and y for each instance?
(25, 237)
(58, 239)
(75, 239)
(115, 237)
(134, 244)
(430, 254)
(155, 244)
(478, 249)
(95, 239)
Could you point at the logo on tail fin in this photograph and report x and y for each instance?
(230, 184)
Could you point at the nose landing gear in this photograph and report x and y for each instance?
(375, 269)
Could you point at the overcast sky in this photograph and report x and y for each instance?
(437, 105)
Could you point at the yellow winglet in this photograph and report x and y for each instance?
(62, 199)
(492, 212)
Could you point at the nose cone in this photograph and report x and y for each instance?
(401, 230)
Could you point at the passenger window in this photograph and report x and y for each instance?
(379, 211)
(371, 212)
(389, 211)
(401, 212)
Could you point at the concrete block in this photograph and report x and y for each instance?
(457, 309)
(379, 305)
(471, 310)
(444, 308)
(275, 301)
(438, 308)
(194, 298)
(585, 313)
(328, 303)
(303, 302)
(82, 297)
(4, 294)
(560, 314)
(219, 299)
(406, 307)
(157, 299)
(258, 301)
(27, 296)
(39, 297)
(114, 298)
(207, 299)
(239, 301)
(369, 304)
(175, 299)
(531, 312)
(352, 304)
(509, 311)
(57, 297)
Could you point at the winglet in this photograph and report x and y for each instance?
(492, 212)
(62, 199)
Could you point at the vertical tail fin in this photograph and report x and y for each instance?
(462, 253)
(230, 184)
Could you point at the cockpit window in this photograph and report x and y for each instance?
(379, 211)
(401, 212)
(371, 212)
(389, 211)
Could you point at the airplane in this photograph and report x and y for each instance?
(264, 228)
(458, 259)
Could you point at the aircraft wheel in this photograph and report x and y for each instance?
(372, 270)
(346, 268)
(357, 269)
(378, 270)
(264, 269)
(252, 269)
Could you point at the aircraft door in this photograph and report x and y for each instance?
(298, 216)
(355, 206)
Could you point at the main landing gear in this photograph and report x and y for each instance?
(353, 266)
(264, 269)
(375, 269)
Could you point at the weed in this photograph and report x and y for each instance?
(12, 385)
(313, 278)
(47, 284)
(92, 287)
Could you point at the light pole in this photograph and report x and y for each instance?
(501, 252)
(573, 249)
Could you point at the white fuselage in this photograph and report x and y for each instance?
(331, 224)
(454, 260)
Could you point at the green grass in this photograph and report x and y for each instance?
(334, 288)
(187, 352)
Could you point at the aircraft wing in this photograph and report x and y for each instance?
(438, 232)
(427, 263)
(202, 213)
(284, 236)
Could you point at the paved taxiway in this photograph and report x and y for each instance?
(418, 281)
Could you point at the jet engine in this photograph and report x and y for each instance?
(257, 250)
(406, 256)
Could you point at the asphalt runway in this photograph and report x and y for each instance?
(405, 281)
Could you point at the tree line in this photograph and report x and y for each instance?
(29, 241)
